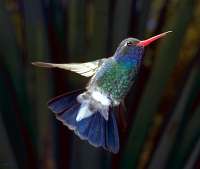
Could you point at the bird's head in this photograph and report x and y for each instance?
(130, 46)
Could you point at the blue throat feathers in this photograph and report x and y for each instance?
(129, 56)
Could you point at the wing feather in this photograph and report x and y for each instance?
(86, 69)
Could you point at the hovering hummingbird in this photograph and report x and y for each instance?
(90, 112)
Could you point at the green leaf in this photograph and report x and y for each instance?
(194, 156)
(122, 14)
(7, 156)
(161, 72)
(172, 128)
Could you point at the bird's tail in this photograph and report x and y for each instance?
(98, 131)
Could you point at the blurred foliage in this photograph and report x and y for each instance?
(163, 106)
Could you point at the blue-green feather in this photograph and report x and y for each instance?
(118, 73)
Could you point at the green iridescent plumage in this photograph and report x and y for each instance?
(118, 73)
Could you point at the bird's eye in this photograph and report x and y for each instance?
(129, 43)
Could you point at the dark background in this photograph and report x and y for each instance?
(163, 118)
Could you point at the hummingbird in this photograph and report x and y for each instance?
(90, 112)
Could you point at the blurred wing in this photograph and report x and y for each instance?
(85, 69)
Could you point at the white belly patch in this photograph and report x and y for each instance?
(92, 102)
(101, 98)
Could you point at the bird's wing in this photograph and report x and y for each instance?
(86, 69)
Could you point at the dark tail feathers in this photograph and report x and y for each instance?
(95, 129)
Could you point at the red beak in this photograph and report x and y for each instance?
(152, 39)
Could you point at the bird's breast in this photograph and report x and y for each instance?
(115, 78)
